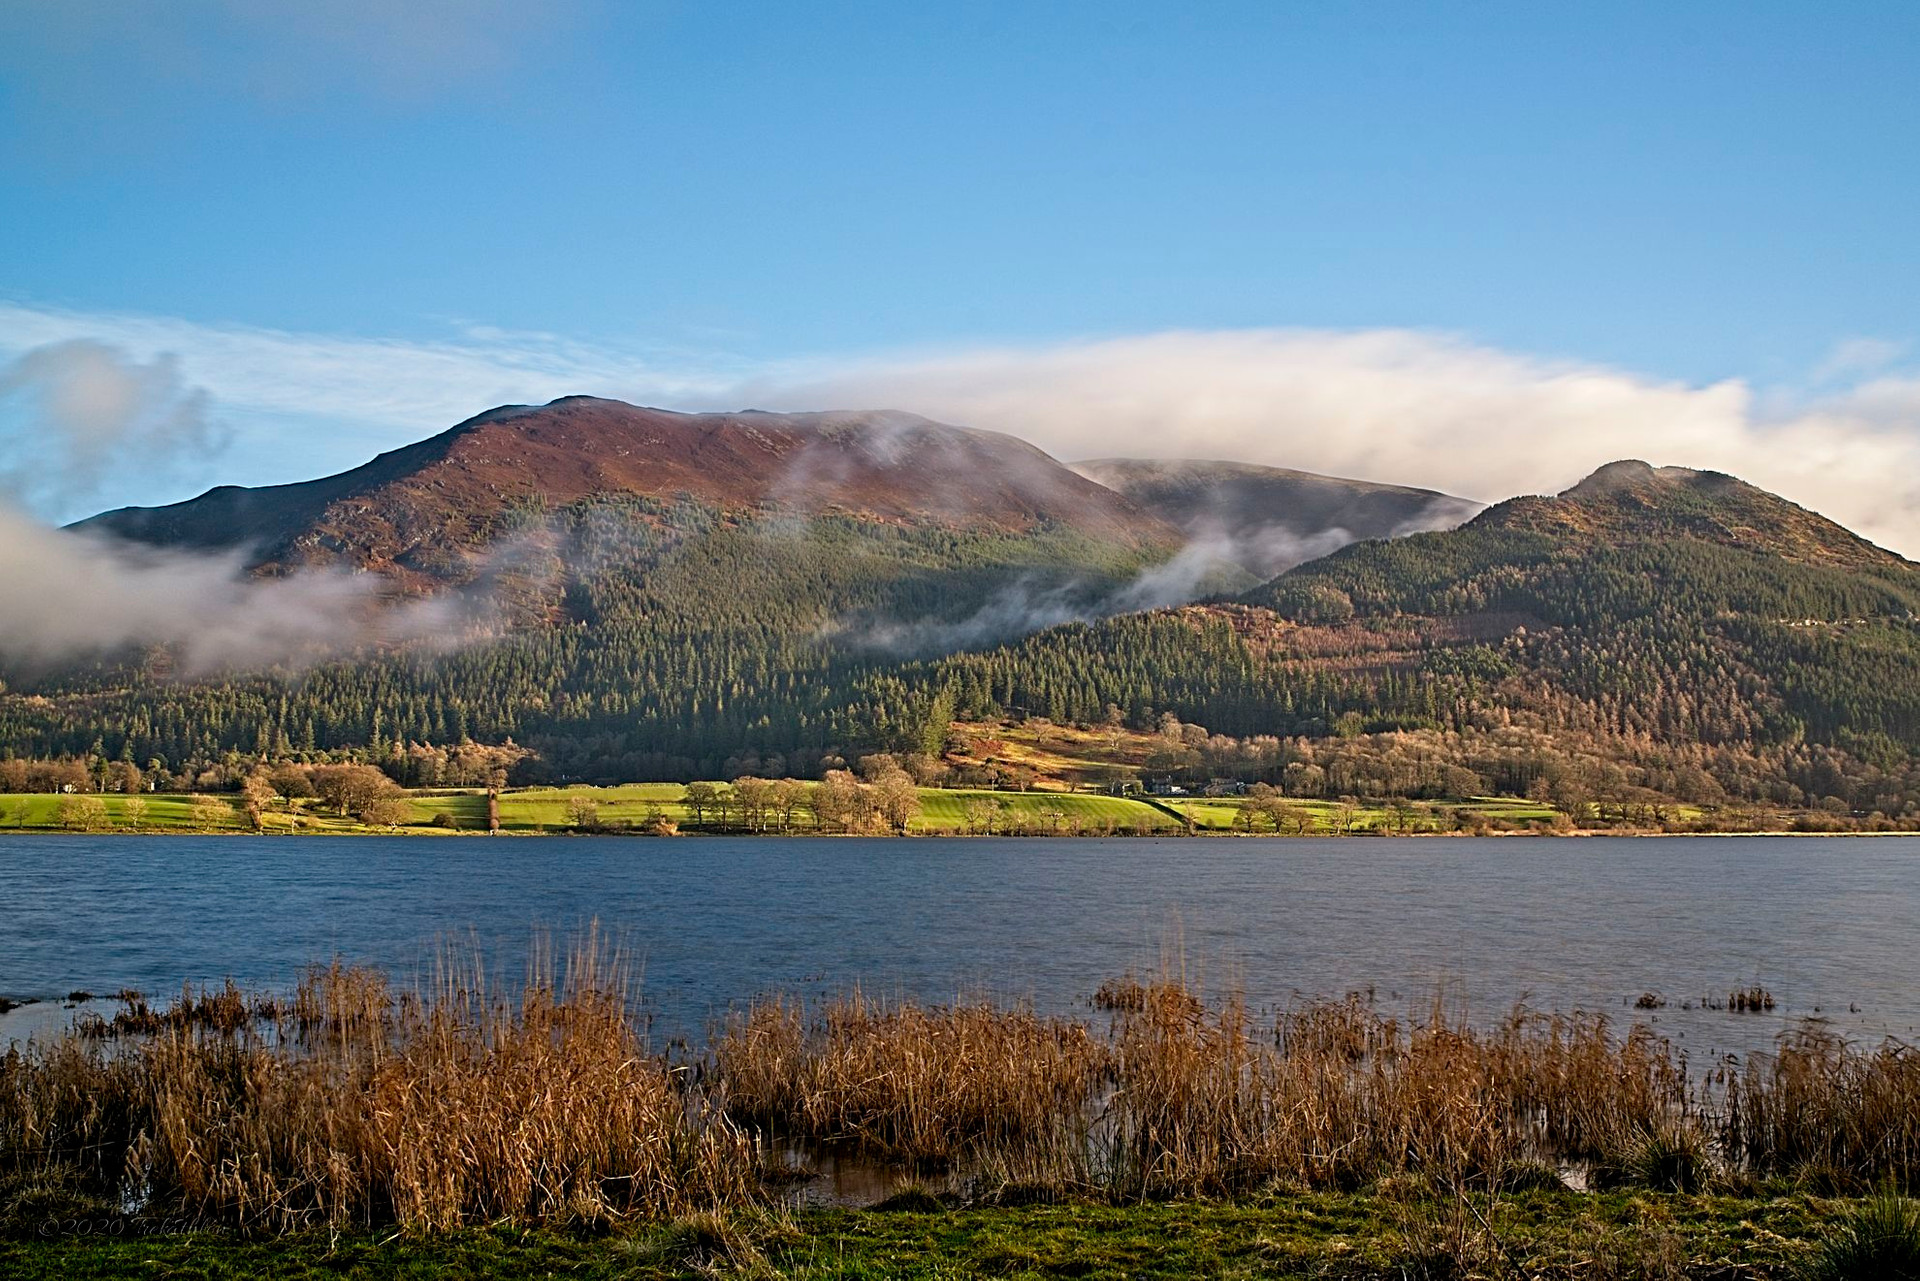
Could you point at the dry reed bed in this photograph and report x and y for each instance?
(906, 1081)
(1181, 1097)
(350, 1103)
(365, 1107)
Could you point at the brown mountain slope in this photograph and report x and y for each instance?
(414, 509)
(1268, 519)
(1633, 500)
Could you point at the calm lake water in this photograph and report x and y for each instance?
(1829, 925)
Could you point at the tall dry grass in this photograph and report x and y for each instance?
(1835, 1117)
(1338, 1096)
(352, 1103)
(363, 1106)
(928, 1085)
(1179, 1096)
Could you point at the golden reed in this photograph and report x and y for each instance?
(352, 1103)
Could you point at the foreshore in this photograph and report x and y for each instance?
(364, 1130)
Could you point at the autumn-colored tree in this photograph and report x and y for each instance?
(583, 813)
(840, 803)
(388, 811)
(291, 782)
(980, 814)
(789, 794)
(82, 813)
(209, 811)
(896, 800)
(256, 794)
(755, 797)
(346, 788)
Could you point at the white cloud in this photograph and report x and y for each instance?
(72, 413)
(1854, 357)
(1411, 408)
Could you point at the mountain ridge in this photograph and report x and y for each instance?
(415, 511)
(1630, 498)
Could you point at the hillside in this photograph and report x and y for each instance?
(1653, 634)
(1269, 519)
(426, 512)
(1646, 634)
(657, 592)
(1631, 501)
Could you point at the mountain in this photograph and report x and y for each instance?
(1630, 500)
(422, 513)
(704, 595)
(634, 591)
(1268, 519)
(1664, 633)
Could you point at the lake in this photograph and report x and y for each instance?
(1831, 925)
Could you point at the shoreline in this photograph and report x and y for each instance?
(795, 808)
(1597, 833)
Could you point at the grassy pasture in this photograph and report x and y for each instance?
(165, 812)
(947, 810)
(545, 808)
(537, 810)
(1221, 814)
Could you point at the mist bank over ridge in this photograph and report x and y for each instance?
(1269, 519)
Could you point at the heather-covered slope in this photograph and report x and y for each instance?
(420, 513)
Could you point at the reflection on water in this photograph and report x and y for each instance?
(1823, 924)
(822, 1176)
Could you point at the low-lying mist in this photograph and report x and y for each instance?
(73, 415)
(73, 595)
(1213, 562)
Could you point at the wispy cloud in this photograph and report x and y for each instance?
(304, 404)
(1853, 358)
(73, 413)
(415, 385)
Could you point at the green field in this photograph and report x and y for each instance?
(536, 810)
(1067, 811)
(164, 812)
(545, 808)
(1221, 814)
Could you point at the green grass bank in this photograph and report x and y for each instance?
(1372, 1234)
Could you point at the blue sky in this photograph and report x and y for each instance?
(717, 195)
(1697, 189)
